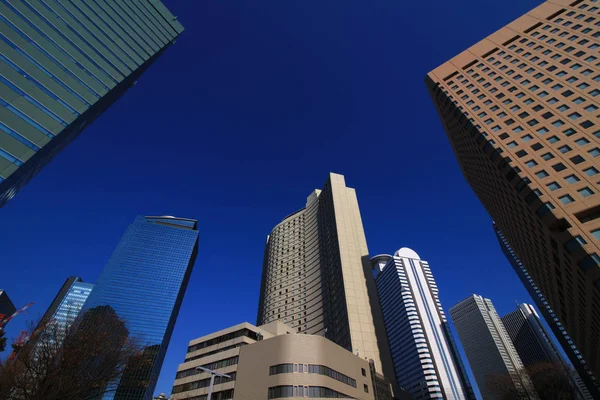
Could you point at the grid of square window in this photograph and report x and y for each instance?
(536, 98)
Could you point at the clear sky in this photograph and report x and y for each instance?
(237, 123)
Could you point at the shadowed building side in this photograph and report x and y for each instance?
(520, 109)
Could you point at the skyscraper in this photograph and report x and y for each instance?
(61, 66)
(425, 358)
(534, 344)
(488, 347)
(317, 276)
(67, 304)
(561, 334)
(520, 109)
(144, 283)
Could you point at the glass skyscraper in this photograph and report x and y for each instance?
(144, 282)
(67, 304)
(62, 63)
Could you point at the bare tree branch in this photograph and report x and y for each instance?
(78, 362)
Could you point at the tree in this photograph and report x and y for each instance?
(78, 362)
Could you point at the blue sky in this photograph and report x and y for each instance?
(237, 123)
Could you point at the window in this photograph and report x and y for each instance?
(572, 179)
(585, 192)
(591, 108)
(542, 174)
(577, 160)
(566, 199)
(548, 156)
(557, 123)
(574, 116)
(594, 152)
(512, 144)
(563, 108)
(553, 139)
(579, 100)
(569, 132)
(559, 167)
(553, 186)
(532, 122)
(591, 171)
(527, 138)
(587, 124)
(582, 142)
(366, 388)
(363, 372)
(564, 149)
(531, 163)
(518, 129)
(542, 131)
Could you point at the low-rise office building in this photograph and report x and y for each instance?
(272, 361)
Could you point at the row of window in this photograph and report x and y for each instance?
(312, 369)
(202, 383)
(223, 338)
(210, 353)
(214, 365)
(278, 392)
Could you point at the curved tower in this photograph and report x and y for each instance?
(426, 361)
(317, 275)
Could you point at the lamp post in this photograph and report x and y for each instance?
(212, 378)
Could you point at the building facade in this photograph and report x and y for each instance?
(426, 361)
(534, 344)
(144, 282)
(61, 66)
(584, 373)
(273, 361)
(317, 276)
(7, 308)
(488, 348)
(67, 304)
(521, 112)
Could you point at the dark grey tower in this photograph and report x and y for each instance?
(534, 344)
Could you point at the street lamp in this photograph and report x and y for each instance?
(212, 378)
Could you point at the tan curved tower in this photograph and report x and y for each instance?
(317, 275)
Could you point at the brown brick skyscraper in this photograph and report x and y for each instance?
(521, 109)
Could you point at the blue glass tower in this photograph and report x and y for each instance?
(144, 282)
(62, 64)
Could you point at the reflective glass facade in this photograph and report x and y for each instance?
(62, 63)
(144, 282)
(68, 303)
